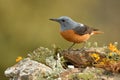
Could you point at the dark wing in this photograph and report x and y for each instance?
(84, 30)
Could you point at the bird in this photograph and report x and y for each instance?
(73, 31)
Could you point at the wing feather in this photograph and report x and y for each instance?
(84, 30)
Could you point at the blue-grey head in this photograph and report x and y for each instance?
(65, 22)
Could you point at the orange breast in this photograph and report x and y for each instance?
(71, 36)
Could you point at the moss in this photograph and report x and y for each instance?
(86, 76)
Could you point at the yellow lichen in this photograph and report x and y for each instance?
(95, 56)
(113, 48)
(19, 58)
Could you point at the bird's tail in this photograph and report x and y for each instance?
(98, 32)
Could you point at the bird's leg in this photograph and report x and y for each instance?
(71, 46)
(82, 49)
(85, 44)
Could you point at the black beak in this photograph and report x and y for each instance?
(53, 19)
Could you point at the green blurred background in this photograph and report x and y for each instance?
(25, 24)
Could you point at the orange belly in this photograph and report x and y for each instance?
(71, 36)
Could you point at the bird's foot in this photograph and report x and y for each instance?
(71, 49)
(81, 49)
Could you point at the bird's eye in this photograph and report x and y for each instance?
(63, 20)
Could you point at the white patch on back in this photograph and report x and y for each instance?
(92, 33)
(81, 24)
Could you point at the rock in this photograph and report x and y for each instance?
(27, 70)
(66, 74)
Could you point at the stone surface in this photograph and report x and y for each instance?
(27, 70)
(88, 73)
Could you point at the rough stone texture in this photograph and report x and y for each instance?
(27, 70)
(65, 75)
(88, 73)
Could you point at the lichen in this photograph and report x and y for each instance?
(49, 57)
(92, 63)
(40, 54)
